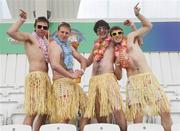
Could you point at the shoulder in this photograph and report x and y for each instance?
(53, 43)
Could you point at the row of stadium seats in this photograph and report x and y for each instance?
(90, 127)
(14, 68)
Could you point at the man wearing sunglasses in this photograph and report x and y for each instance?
(104, 97)
(67, 95)
(37, 82)
(144, 94)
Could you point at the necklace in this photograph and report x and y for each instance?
(42, 45)
(122, 48)
(100, 48)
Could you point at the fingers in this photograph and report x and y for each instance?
(22, 11)
(136, 6)
(127, 23)
(136, 9)
(22, 14)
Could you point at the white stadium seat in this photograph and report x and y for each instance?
(101, 127)
(58, 127)
(175, 127)
(145, 127)
(16, 128)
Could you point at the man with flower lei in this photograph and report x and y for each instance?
(104, 96)
(144, 94)
(67, 97)
(37, 83)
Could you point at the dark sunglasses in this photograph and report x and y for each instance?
(116, 33)
(63, 32)
(40, 27)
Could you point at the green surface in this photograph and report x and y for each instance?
(86, 28)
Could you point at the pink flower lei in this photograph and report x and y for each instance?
(100, 48)
(122, 47)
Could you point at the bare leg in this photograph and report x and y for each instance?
(66, 121)
(138, 118)
(97, 110)
(83, 122)
(120, 119)
(40, 121)
(29, 119)
(166, 120)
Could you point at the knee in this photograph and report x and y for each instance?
(101, 119)
(29, 120)
(123, 127)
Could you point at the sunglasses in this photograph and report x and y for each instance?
(101, 28)
(63, 32)
(116, 33)
(40, 27)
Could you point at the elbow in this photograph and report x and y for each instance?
(119, 77)
(53, 66)
(9, 33)
(150, 26)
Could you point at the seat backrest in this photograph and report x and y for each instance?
(16, 128)
(175, 127)
(101, 127)
(145, 127)
(0, 128)
(58, 127)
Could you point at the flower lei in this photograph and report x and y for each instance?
(43, 45)
(68, 58)
(122, 47)
(99, 49)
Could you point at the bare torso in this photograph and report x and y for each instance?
(137, 61)
(105, 65)
(57, 75)
(35, 57)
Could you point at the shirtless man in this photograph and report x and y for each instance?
(144, 94)
(67, 95)
(104, 96)
(37, 81)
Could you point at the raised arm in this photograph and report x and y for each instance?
(14, 32)
(133, 28)
(146, 25)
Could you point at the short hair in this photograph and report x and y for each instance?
(101, 23)
(115, 28)
(41, 19)
(64, 24)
